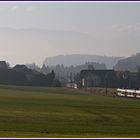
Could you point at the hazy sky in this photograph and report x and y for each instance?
(30, 32)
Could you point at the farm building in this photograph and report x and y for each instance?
(97, 78)
(3, 65)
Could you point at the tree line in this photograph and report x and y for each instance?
(59, 75)
(21, 75)
(65, 73)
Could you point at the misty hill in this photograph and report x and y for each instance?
(40, 43)
(131, 63)
(78, 59)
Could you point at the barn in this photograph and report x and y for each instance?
(97, 78)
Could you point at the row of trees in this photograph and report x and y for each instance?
(121, 79)
(59, 75)
(114, 79)
(21, 75)
(128, 79)
(65, 73)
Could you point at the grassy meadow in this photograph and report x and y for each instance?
(61, 112)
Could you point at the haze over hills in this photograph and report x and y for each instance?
(31, 32)
(37, 43)
(131, 63)
(78, 59)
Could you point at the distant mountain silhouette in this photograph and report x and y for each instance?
(78, 59)
(131, 63)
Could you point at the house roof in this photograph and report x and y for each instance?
(20, 68)
(3, 64)
(96, 71)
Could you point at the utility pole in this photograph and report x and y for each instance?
(106, 84)
(71, 78)
(106, 89)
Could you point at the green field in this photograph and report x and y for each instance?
(60, 112)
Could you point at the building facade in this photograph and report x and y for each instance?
(97, 78)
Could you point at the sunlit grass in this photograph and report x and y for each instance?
(60, 112)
